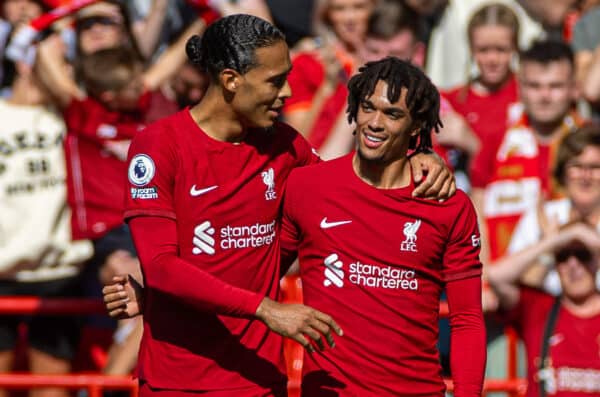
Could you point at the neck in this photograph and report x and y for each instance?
(483, 88)
(546, 131)
(217, 118)
(382, 175)
(26, 92)
(586, 307)
(587, 212)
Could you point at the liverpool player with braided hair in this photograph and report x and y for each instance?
(377, 258)
(422, 98)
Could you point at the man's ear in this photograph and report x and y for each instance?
(230, 79)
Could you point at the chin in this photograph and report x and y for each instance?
(373, 159)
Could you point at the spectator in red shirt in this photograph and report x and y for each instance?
(323, 66)
(493, 33)
(561, 334)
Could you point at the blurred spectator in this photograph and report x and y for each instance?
(449, 41)
(493, 31)
(14, 14)
(394, 30)
(38, 257)
(102, 25)
(430, 12)
(293, 17)
(578, 172)
(510, 179)
(320, 72)
(586, 44)
(560, 334)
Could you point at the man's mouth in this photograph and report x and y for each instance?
(373, 141)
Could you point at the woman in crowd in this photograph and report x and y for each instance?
(323, 66)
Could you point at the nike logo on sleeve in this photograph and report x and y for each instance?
(327, 225)
(198, 192)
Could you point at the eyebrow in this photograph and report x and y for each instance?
(390, 109)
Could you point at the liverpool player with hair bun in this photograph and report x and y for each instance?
(204, 205)
(377, 258)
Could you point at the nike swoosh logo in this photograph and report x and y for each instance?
(327, 225)
(197, 192)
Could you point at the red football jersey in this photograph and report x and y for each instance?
(488, 117)
(95, 177)
(376, 260)
(574, 347)
(226, 201)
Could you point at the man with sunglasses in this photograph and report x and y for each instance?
(561, 333)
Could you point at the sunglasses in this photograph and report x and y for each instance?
(582, 254)
(87, 22)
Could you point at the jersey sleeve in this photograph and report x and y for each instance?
(467, 336)
(290, 232)
(461, 256)
(151, 172)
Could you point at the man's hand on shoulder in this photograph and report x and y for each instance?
(439, 184)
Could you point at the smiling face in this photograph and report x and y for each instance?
(582, 178)
(100, 26)
(492, 47)
(259, 94)
(384, 128)
(349, 19)
(577, 267)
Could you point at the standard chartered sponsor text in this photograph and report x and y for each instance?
(246, 236)
(382, 277)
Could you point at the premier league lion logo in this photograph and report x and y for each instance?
(141, 170)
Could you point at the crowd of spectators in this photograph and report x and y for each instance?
(520, 84)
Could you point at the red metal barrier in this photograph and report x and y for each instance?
(32, 305)
(95, 383)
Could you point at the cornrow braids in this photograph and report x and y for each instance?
(231, 42)
(422, 98)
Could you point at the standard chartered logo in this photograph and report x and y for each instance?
(203, 239)
(365, 275)
(333, 271)
(232, 237)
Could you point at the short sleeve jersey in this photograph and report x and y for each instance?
(226, 201)
(574, 347)
(376, 261)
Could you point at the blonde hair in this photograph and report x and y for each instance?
(495, 14)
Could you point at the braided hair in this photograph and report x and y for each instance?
(231, 42)
(422, 98)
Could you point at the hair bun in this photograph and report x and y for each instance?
(193, 49)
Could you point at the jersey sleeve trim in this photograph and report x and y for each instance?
(463, 275)
(149, 212)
